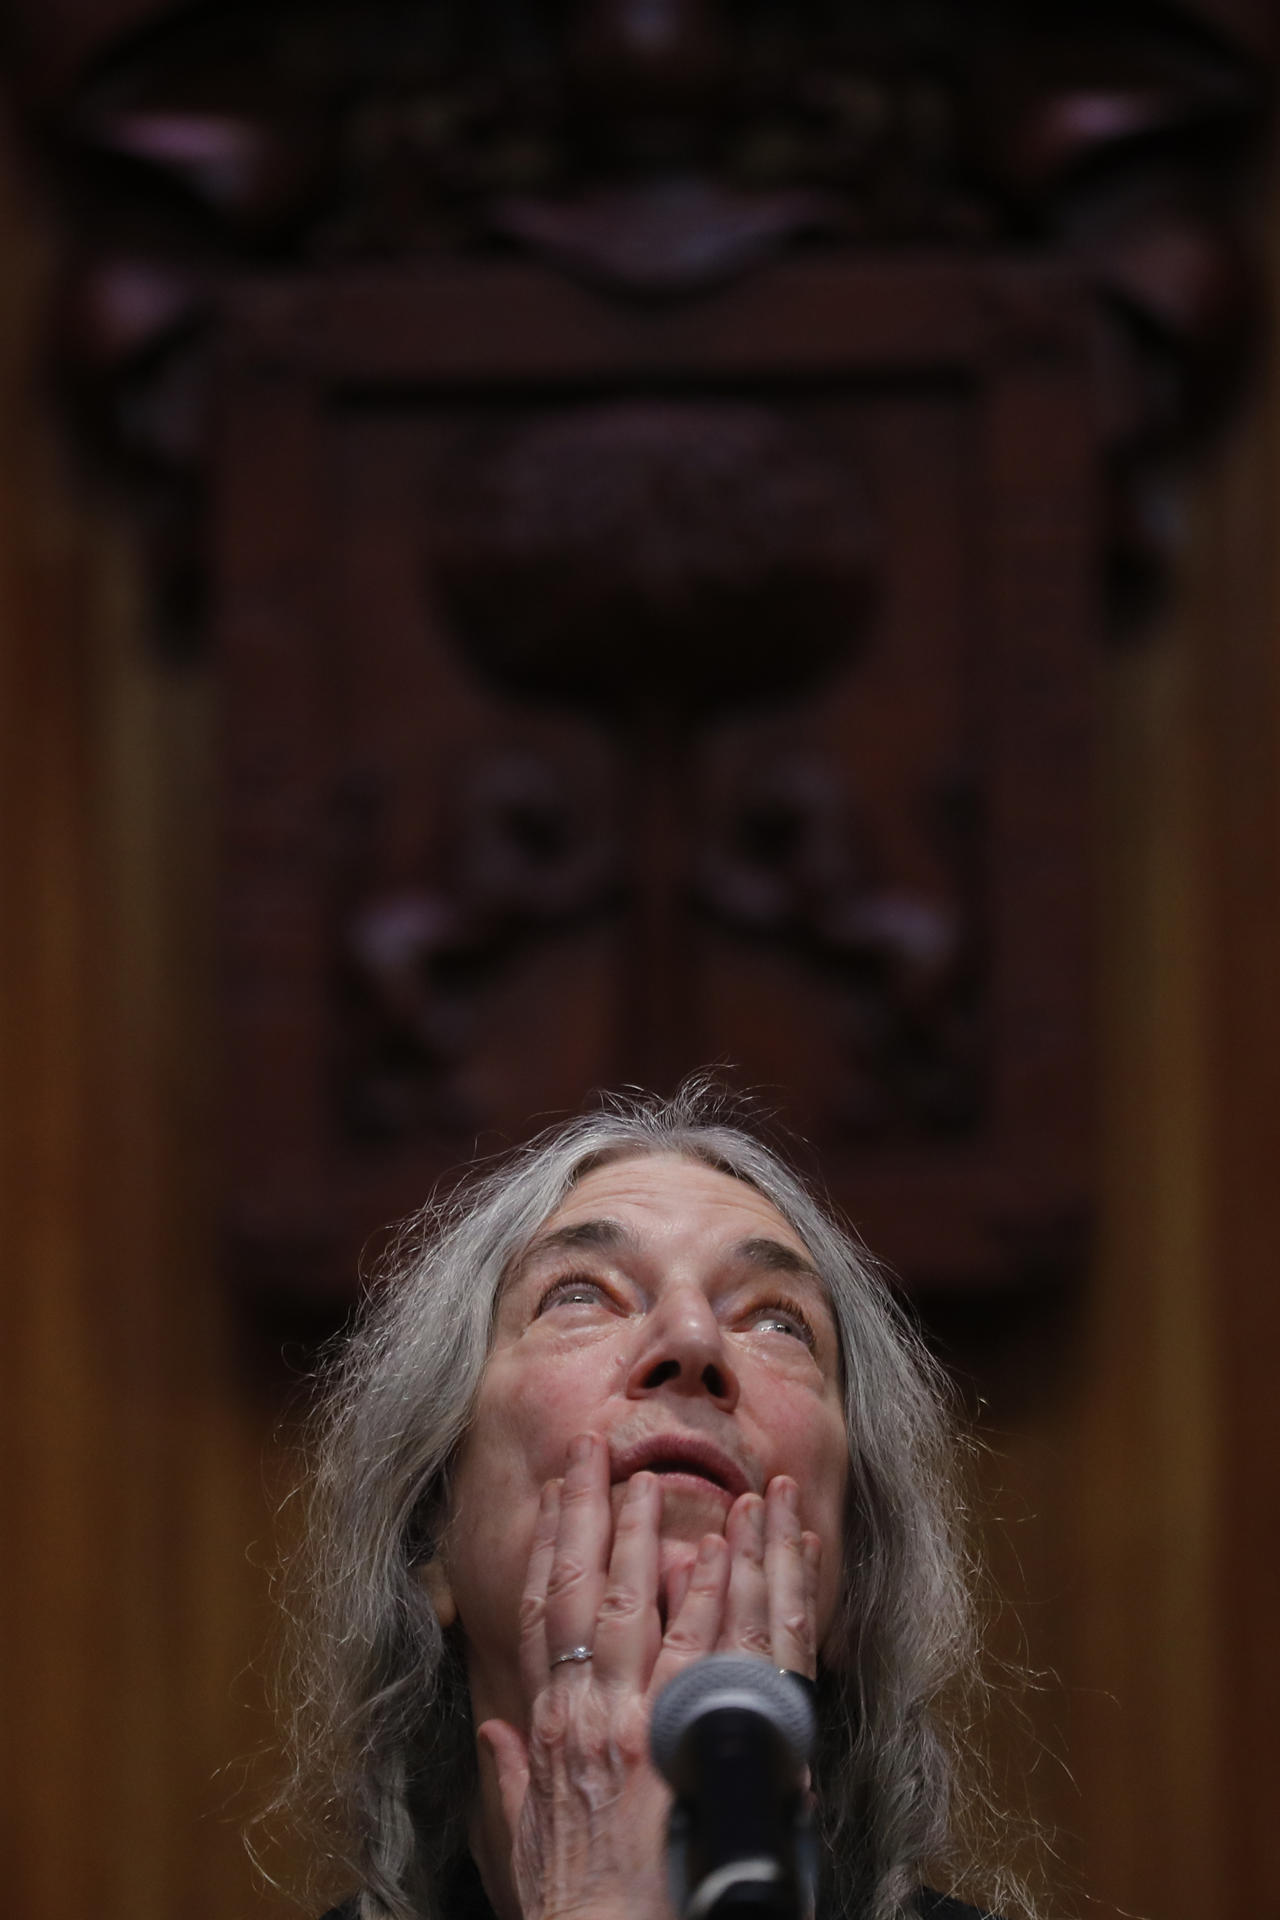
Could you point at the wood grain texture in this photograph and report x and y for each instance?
(135, 1492)
(1129, 1492)
(1127, 1497)
(1237, 608)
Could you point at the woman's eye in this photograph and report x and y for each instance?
(785, 1320)
(572, 1290)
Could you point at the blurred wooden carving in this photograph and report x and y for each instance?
(528, 856)
(667, 466)
(788, 860)
(672, 557)
(656, 147)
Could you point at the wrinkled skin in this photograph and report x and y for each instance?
(656, 1471)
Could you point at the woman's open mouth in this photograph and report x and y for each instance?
(683, 1461)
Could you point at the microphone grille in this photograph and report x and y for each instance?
(729, 1680)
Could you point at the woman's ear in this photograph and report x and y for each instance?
(435, 1579)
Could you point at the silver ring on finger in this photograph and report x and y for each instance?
(572, 1657)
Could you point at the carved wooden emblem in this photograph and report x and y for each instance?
(661, 471)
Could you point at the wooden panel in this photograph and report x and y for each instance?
(918, 926)
(1130, 1501)
(136, 1471)
(450, 324)
(1101, 1416)
(1130, 1489)
(1235, 606)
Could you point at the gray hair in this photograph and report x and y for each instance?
(380, 1708)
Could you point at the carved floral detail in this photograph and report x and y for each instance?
(657, 148)
(528, 854)
(788, 860)
(645, 555)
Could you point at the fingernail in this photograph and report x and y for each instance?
(788, 1494)
(581, 1449)
(710, 1547)
(638, 1487)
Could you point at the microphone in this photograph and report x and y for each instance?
(733, 1737)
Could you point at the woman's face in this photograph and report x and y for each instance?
(672, 1311)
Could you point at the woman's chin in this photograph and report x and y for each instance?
(692, 1506)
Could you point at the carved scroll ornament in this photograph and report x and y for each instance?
(656, 464)
(656, 147)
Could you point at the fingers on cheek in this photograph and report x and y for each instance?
(709, 1571)
(633, 1563)
(745, 1528)
(545, 1531)
(747, 1603)
(626, 1629)
(696, 1623)
(580, 1550)
(532, 1614)
(709, 1576)
(784, 1550)
(675, 1584)
(812, 1546)
(748, 1588)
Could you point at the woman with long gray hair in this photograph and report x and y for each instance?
(629, 1400)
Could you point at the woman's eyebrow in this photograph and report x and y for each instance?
(602, 1236)
(774, 1256)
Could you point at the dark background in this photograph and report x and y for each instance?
(1125, 1493)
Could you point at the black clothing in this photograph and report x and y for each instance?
(473, 1905)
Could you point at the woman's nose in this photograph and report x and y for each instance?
(683, 1350)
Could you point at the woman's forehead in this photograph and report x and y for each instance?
(672, 1192)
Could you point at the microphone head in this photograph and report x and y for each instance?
(729, 1680)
